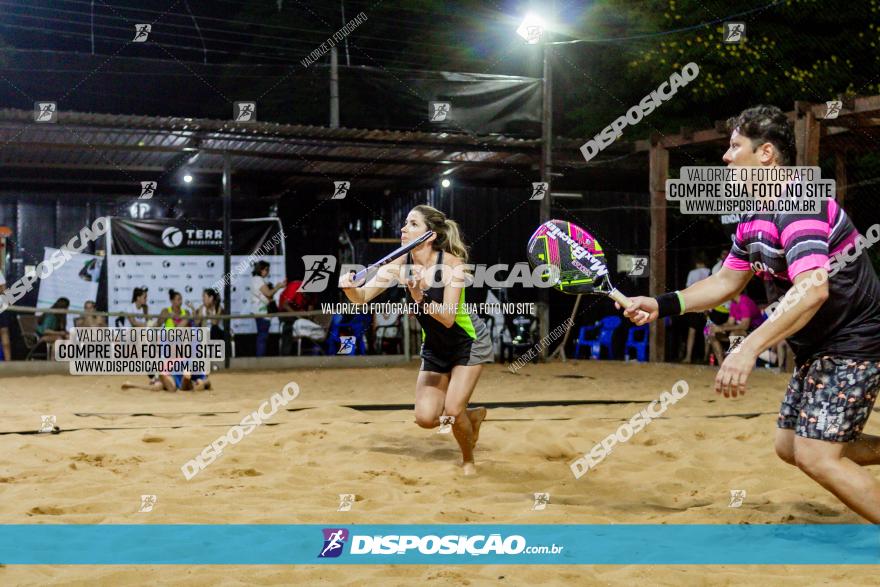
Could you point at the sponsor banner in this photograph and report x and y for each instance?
(167, 237)
(480, 544)
(187, 256)
(76, 280)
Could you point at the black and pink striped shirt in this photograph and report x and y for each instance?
(779, 247)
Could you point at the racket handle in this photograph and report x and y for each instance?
(621, 299)
(625, 302)
(360, 275)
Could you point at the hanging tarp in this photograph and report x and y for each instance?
(370, 97)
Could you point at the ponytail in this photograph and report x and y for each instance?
(448, 232)
(454, 240)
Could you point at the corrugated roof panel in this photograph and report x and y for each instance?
(89, 139)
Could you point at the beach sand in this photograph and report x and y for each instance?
(679, 470)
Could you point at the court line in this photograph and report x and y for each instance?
(747, 416)
(521, 404)
(174, 427)
(157, 414)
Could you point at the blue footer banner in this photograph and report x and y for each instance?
(484, 544)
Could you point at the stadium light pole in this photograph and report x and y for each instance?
(534, 30)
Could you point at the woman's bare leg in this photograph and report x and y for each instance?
(155, 386)
(461, 385)
(688, 355)
(167, 382)
(477, 415)
(4, 342)
(430, 395)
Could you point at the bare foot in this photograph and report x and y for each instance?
(469, 469)
(127, 385)
(477, 416)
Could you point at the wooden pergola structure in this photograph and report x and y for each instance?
(812, 131)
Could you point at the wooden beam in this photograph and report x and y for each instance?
(186, 151)
(866, 106)
(695, 137)
(807, 132)
(851, 105)
(840, 176)
(658, 173)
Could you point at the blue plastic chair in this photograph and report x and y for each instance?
(358, 326)
(637, 339)
(585, 339)
(606, 336)
(595, 341)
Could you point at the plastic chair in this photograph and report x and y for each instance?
(606, 335)
(604, 338)
(358, 326)
(27, 324)
(585, 339)
(637, 339)
(521, 337)
(390, 336)
(333, 339)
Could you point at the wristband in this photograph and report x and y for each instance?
(670, 304)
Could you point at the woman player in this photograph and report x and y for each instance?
(455, 342)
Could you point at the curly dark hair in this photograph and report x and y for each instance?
(767, 124)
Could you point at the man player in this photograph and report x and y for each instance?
(832, 323)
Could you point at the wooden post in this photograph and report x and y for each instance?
(807, 131)
(560, 350)
(840, 175)
(659, 172)
(227, 252)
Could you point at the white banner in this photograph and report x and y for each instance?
(189, 275)
(76, 280)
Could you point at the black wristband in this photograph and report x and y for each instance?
(669, 304)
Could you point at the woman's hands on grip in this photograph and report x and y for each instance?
(413, 280)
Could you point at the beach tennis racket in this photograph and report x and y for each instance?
(391, 256)
(573, 260)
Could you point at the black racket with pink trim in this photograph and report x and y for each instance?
(573, 260)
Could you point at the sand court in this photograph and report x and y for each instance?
(352, 431)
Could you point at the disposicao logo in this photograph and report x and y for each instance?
(334, 541)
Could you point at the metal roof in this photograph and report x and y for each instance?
(299, 154)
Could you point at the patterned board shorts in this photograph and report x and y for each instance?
(830, 398)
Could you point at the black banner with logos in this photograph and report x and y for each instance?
(193, 237)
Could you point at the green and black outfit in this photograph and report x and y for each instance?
(466, 342)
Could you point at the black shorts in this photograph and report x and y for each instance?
(475, 352)
(830, 398)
